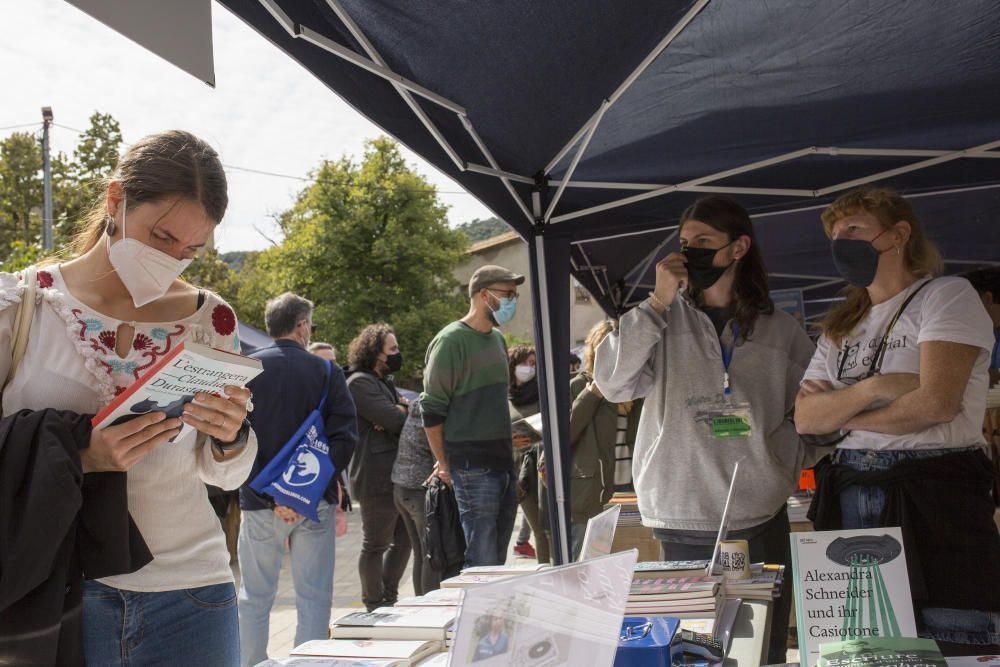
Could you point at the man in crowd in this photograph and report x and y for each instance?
(324, 351)
(290, 388)
(987, 283)
(465, 415)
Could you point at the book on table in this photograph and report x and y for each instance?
(881, 652)
(850, 584)
(173, 381)
(442, 597)
(472, 580)
(396, 623)
(512, 569)
(407, 651)
(299, 661)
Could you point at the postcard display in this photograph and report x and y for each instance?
(570, 615)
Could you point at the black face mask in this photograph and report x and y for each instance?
(394, 362)
(856, 261)
(701, 272)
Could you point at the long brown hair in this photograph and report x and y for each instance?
(920, 256)
(594, 338)
(168, 164)
(751, 296)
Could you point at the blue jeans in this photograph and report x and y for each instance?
(261, 547)
(487, 506)
(861, 507)
(194, 626)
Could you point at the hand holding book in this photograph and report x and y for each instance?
(118, 448)
(220, 417)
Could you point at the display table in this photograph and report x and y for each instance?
(750, 632)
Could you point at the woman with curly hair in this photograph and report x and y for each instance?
(373, 356)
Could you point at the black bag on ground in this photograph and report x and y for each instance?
(445, 545)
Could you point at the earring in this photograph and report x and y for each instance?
(898, 250)
(109, 226)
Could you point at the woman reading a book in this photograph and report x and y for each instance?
(902, 371)
(719, 369)
(108, 309)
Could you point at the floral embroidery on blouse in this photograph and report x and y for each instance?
(224, 319)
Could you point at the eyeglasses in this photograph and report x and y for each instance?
(507, 293)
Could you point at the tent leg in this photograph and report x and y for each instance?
(550, 302)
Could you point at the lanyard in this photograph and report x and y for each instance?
(879, 355)
(727, 359)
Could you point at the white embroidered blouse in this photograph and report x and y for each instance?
(71, 364)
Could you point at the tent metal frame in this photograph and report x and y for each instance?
(409, 90)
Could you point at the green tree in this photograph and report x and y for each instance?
(209, 271)
(20, 190)
(79, 182)
(367, 242)
(480, 230)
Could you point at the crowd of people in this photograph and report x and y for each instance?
(120, 559)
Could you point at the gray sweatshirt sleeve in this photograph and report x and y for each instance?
(624, 363)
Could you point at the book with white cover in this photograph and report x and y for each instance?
(172, 382)
(410, 651)
(471, 580)
(396, 623)
(513, 568)
(436, 660)
(333, 662)
(442, 597)
(850, 584)
(600, 534)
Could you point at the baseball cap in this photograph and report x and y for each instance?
(490, 274)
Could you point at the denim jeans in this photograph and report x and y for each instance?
(261, 547)
(487, 506)
(194, 626)
(385, 550)
(861, 507)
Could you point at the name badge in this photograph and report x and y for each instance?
(725, 419)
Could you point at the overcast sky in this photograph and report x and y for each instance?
(266, 112)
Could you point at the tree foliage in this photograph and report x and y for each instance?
(482, 229)
(367, 242)
(76, 183)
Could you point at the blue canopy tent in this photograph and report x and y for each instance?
(589, 125)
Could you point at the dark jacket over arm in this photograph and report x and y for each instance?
(378, 405)
(56, 525)
(284, 395)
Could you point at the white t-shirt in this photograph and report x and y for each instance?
(948, 309)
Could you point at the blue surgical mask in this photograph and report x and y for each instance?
(505, 313)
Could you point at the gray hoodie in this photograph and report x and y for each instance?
(674, 362)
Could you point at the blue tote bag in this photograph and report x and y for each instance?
(298, 475)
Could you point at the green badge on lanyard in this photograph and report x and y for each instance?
(732, 425)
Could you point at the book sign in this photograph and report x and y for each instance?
(850, 584)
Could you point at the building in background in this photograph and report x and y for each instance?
(510, 251)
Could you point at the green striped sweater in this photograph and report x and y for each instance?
(465, 388)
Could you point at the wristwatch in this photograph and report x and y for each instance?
(240, 441)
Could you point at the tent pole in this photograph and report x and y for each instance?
(576, 159)
(645, 264)
(552, 417)
(752, 166)
(923, 164)
(467, 124)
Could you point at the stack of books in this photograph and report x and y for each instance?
(367, 652)
(409, 623)
(629, 503)
(488, 574)
(798, 505)
(680, 597)
(765, 583)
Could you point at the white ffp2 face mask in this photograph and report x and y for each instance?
(524, 373)
(146, 272)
